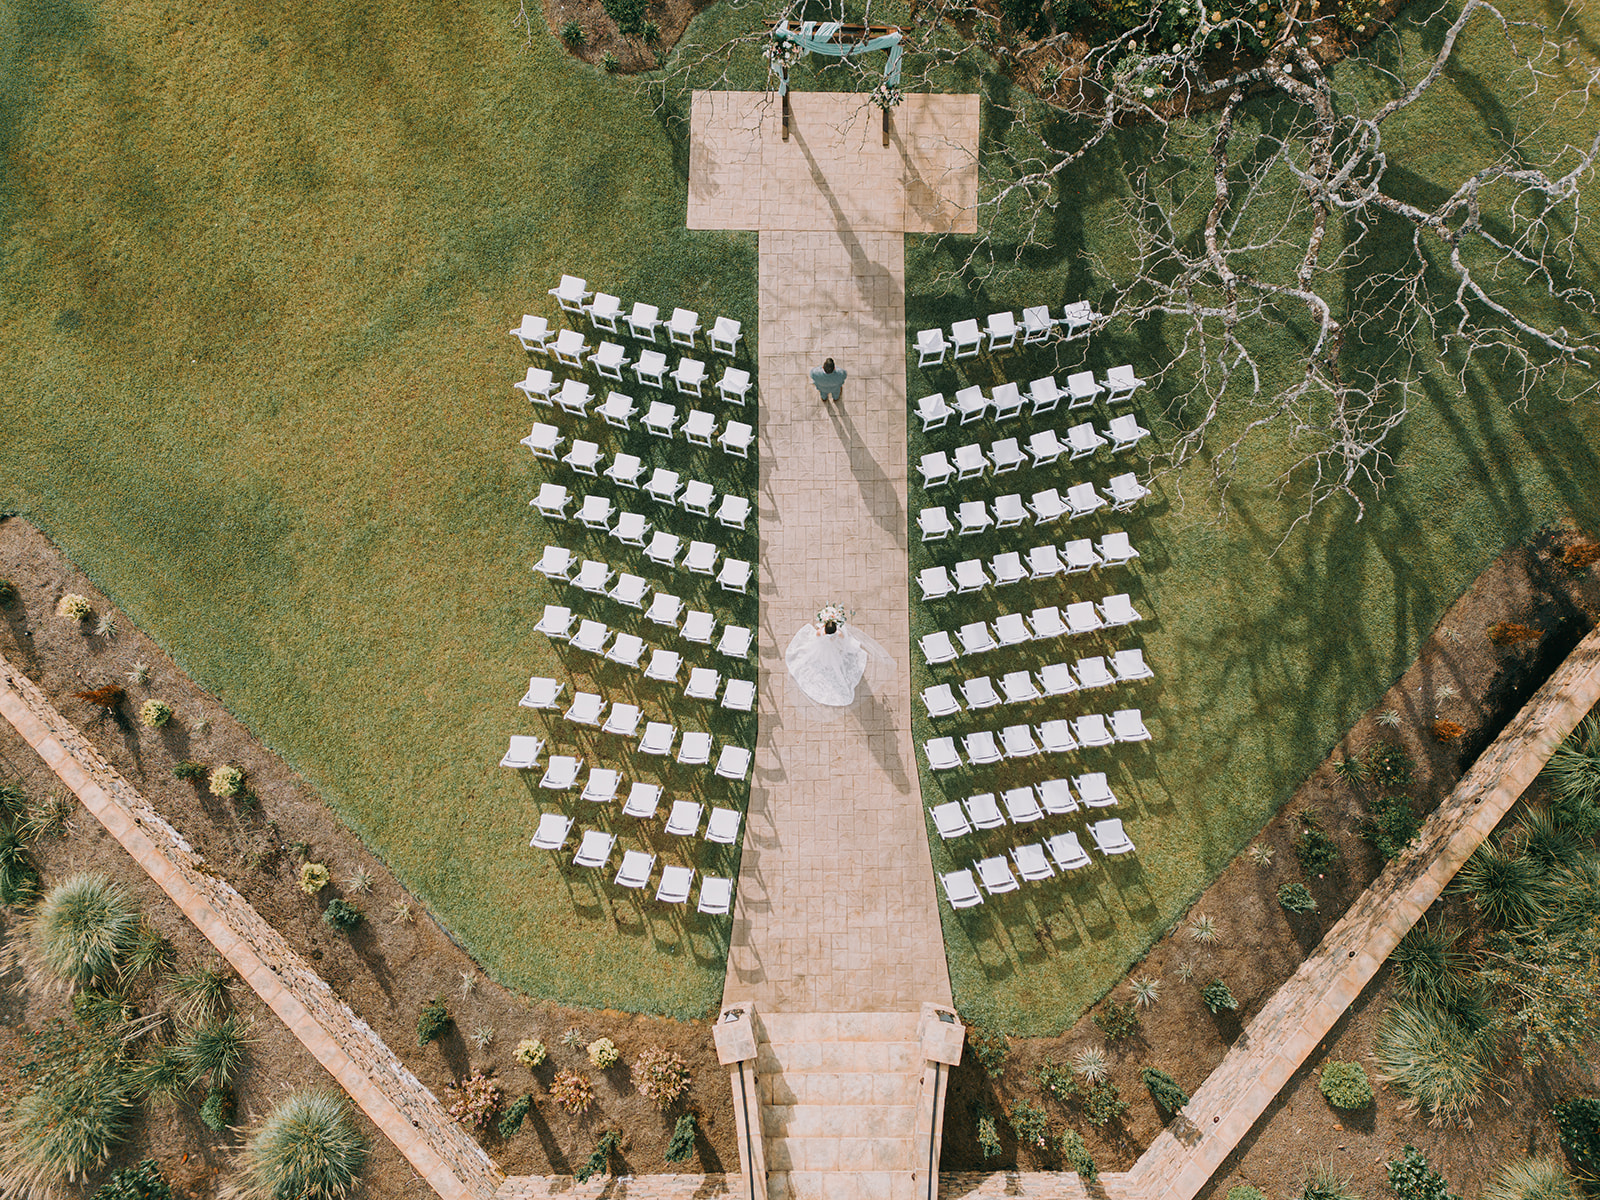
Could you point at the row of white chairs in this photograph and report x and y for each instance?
(1124, 492)
(1013, 629)
(1007, 400)
(633, 591)
(688, 377)
(591, 636)
(662, 548)
(605, 312)
(699, 428)
(1076, 557)
(1059, 736)
(585, 457)
(961, 890)
(631, 528)
(1006, 454)
(733, 762)
(1054, 679)
(594, 850)
(589, 708)
(1023, 805)
(1002, 331)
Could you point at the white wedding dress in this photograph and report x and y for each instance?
(827, 666)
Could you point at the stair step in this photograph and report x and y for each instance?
(859, 1185)
(840, 1154)
(839, 1027)
(838, 1121)
(843, 1088)
(808, 1058)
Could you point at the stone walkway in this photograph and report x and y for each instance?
(404, 1111)
(835, 908)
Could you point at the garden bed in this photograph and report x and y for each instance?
(1248, 940)
(387, 969)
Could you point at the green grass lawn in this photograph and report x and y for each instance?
(257, 274)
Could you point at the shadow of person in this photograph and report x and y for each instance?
(878, 491)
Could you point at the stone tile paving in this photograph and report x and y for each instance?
(454, 1165)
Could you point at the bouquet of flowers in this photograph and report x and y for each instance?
(837, 613)
(887, 95)
(782, 53)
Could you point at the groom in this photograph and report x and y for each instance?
(829, 382)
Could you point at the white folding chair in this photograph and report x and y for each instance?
(1057, 798)
(561, 773)
(650, 368)
(733, 762)
(931, 345)
(699, 627)
(537, 386)
(1019, 687)
(574, 397)
(734, 511)
(934, 582)
(1056, 737)
(724, 336)
(1077, 318)
(555, 563)
(940, 701)
(1044, 563)
(739, 695)
(1007, 401)
(584, 457)
(995, 875)
(1011, 629)
(570, 295)
(1044, 394)
(734, 384)
(543, 441)
(935, 468)
(723, 827)
(601, 786)
(1082, 499)
(694, 749)
(734, 575)
(1115, 549)
(1092, 673)
(1130, 666)
(971, 403)
(976, 638)
(1037, 325)
(664, 666)
(594, 576)
(1007, 568)
(676, 883)
(1080, 556)
(1055, 679)
(626, 650)
(642, 801)
(556, 622)
(631, 529)
(658, 738)
(1047, 505)
(716, 895)
(595, 848)
(522, 752)
(543, 692)
(663, 548)
(1046, 622)
(1016, 741)
(960, 889)
(981, 748)
(937, 648)
(608, 361)
(689, 374)
(1009, 511)
(735, 439)
(935, 524)
(569, 348)
(1127, 725)
(971, 462)
(623, 720)
(979, 693)
(1083, 441)
(533, 333)
(697, 498)
(935, 413)
(1121, 383)
(644, 320)
(1081, 389)
(699, 428)
(624, 471)
(703, 684)
(970, 575)
(684, 820)
(664, 609)
(1031, 863)
(683, 326)
(1126, 491)
(630, 590)
(1021, 804)
(595, 512)
(974, 516)
(1093, 790)
(1067, 851)
(734, 642)
(984, 812)
(1082, 617)
(552, 831)
(1117, 610)
(941, 753)
(585, 708)
(1044, 447)
(552, 501)
(1006, 455)
(1109, 837)
(949, 820)
(1125, 432)
(1090, 730)
(967, 338)
(635, 869)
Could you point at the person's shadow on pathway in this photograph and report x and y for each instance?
(877, 489)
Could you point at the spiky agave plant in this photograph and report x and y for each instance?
(1532, 1179)
(83, 928)
(307, 1147)
(203, 991)
(1508, 889)
(1442, 1065)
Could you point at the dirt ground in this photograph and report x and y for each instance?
(1259, 945)
(386, 971)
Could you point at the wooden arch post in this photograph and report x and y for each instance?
(845, 35)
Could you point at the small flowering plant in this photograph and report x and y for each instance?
(661, 1076)
(573, 1092)
(603, 1053)
(75, 607)
(474, 1100)
(887, 95)
(781, 53)
(226, 782)
(530, 1052)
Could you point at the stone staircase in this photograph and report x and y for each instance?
(839, 1104)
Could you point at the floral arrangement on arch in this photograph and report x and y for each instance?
(837, 613)
(887, 95)
(782, 53)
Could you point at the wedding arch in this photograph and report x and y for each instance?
(837, 40)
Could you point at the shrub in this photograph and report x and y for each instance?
(19, 878)
(189, 771)
(573, 1092)
(1413, 1179)
(342, 915)
(8, 592)
(1446, 731)
(530, 1052)
(603, 1053)
(141, 1182)
(1532, 1179)
(1547, 840)
(1056, 1079)
(600, 1161)
(74, 607)
(1103, 1103)
(1508, 889)
(1509, 633)
(153, 714)
(1322, 1182)
(681, 1147)
(572, 34)
(202, 991)
(628, 14)
(1316, 851)
(1117, 1021)
(1245, 1192)
(227, 782)
(989, 1048)
(63, 1128)
(572, 1038)
(1164, 1090)
(83, 928)
(661, 1076)
(1345, 1085)
(213, 1051)
(1430, 965)
(1203, 929)
(1217, 996)
(307, 1147)
(651, 33)
(1578, 1127)
(139, 674)
(217, 1109)
(1296, 898)
(1030, 1124)
(988, 1135)
(432, 1021)
(474, 1099)
(1391, 824)
(609, 63)
(1440, 1064)
(512, 1121)
(107, 697)
(1390, 768)
(1573, 773)
(314, 876)
(1146, 991)
(1075, 1156)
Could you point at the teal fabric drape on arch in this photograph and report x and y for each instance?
(817, 38)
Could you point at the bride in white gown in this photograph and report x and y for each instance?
(827, 658)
